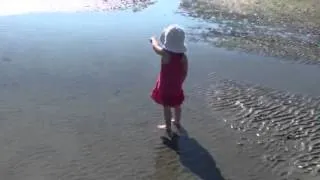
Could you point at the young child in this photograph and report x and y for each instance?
(168, 90)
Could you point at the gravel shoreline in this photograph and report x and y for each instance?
(262, 27)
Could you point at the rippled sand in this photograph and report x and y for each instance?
(286, 125)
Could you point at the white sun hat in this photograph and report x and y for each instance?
(172, 39)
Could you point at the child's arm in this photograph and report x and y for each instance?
(185, 67)
(156, 47)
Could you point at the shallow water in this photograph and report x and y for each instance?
(75, 102)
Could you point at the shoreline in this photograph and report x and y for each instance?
(16, 7)
(252, 26)
(76, 103)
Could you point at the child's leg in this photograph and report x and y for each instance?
(177, 115)
(167, 117)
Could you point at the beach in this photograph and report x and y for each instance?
(75, 101)
(288, 29)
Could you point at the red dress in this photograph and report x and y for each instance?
(168, 88)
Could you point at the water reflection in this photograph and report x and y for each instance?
(65, 43)
(14, 7)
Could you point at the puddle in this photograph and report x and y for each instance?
(53, 55)
(16, 7)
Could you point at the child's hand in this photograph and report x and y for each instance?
(155, 45)
(153, 39)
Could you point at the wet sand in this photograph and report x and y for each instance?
(75, 104)
(286, 29)
(286, 125)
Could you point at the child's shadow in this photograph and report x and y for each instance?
(193, 156)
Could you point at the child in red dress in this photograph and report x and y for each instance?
(168, 90)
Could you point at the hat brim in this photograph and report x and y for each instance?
(180, 49)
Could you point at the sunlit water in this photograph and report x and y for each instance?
(77, 85)
(14, 7)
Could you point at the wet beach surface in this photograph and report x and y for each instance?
(287, 28)
(75, 103)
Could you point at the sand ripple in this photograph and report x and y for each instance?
(287, 125)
